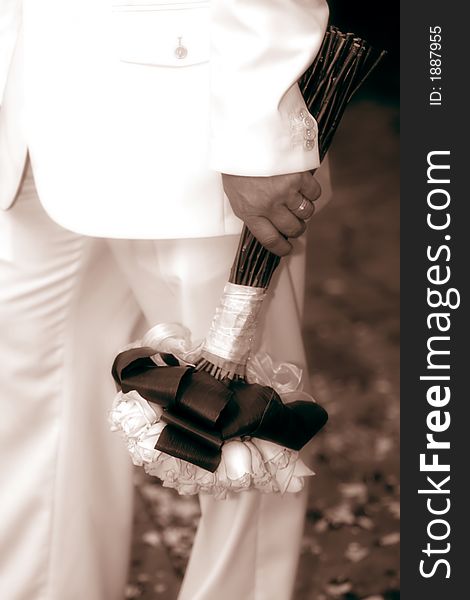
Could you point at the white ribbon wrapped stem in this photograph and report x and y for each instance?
(229, 341)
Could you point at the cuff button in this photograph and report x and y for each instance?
(308, 122)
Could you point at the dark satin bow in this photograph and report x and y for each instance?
(202, 413)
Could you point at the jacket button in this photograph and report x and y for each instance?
(181, 51)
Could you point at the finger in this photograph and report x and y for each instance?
(301, 207)
(309, 187)
(287, 222)
(265, 232)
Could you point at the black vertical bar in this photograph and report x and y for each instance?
(426, 128)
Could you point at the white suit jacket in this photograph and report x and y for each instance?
(131, 109)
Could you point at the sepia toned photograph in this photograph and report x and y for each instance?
(199, 300)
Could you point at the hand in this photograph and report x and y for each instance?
(275, 207)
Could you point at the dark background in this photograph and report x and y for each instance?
(379, 23)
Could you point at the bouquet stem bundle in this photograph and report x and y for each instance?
(342, 65)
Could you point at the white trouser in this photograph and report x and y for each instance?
(67, 305)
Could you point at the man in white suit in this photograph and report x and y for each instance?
(153, 129)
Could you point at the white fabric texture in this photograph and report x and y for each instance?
(13, 148)
(66, 489)
(67, 305)
(142, 134)
(10, 17)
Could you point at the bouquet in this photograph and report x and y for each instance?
(216, 418)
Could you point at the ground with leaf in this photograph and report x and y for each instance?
(350, 549)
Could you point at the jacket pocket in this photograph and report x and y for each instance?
(161, 33)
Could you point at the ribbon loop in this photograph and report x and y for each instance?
(201, 397)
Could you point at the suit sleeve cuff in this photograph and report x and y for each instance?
(253, 153)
